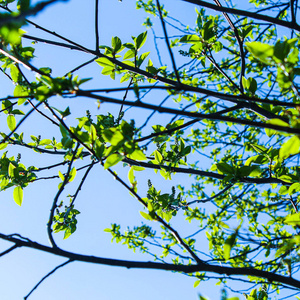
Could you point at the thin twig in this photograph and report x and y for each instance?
(54, 204)
(124, 98)
(97, 26)
(9, 250)
(211, 198)
(41, 113)
(81, 66)
(167, 41)
(81, 182)
(240, 43)
(46, 276)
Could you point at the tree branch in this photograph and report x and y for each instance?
(246, 13)
(46, 276)
(96, 26)
(167, 41)
(54, 204)
(200, 116)
(222, 270)
(240, 43)
(203, 173)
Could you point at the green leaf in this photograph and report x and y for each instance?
(277, 122)
(225, 168)
(146, 216)
(18, 195)
(112, 160)
(11, 170)
(294, 188)
(64, 113)
(68, 232)
(290, 147)
(281, 50)
(158, 156)
(11, 122)
(207, 30)
(3, 146)
(93, 133)
(284, 189)
(99, 149)
(72, 174)
(17, 112)
(191, 38)
(131, 177)
(108, 71)
(253, 85)
(137, 155)
(229, 244)
(129, 63)
(129, 54)
(64, 131)
(140, 40)
(286, 178)
(45, 142)
(23, 5)
(293, 219)
(259, 148)
(61, 176)
(245, 83)
(105, 62)
(138, 168)
(116, 44)
(20, 91)
(15, 74)
(261, 51)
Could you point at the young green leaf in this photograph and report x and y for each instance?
(140, 40)
(72, 174)
(11, 170)
(225, 168)
(131, 177)
(105, 62)
(277, 122)
(112, 160)
(261, 51)
(18, 195)
(230, 241)
(290, 147)
(11, 122)
(293, 219)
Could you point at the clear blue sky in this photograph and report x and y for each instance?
(23, 268)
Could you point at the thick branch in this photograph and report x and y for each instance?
(221, 270)
(246, 13)
(202, 173)
(200, 116)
